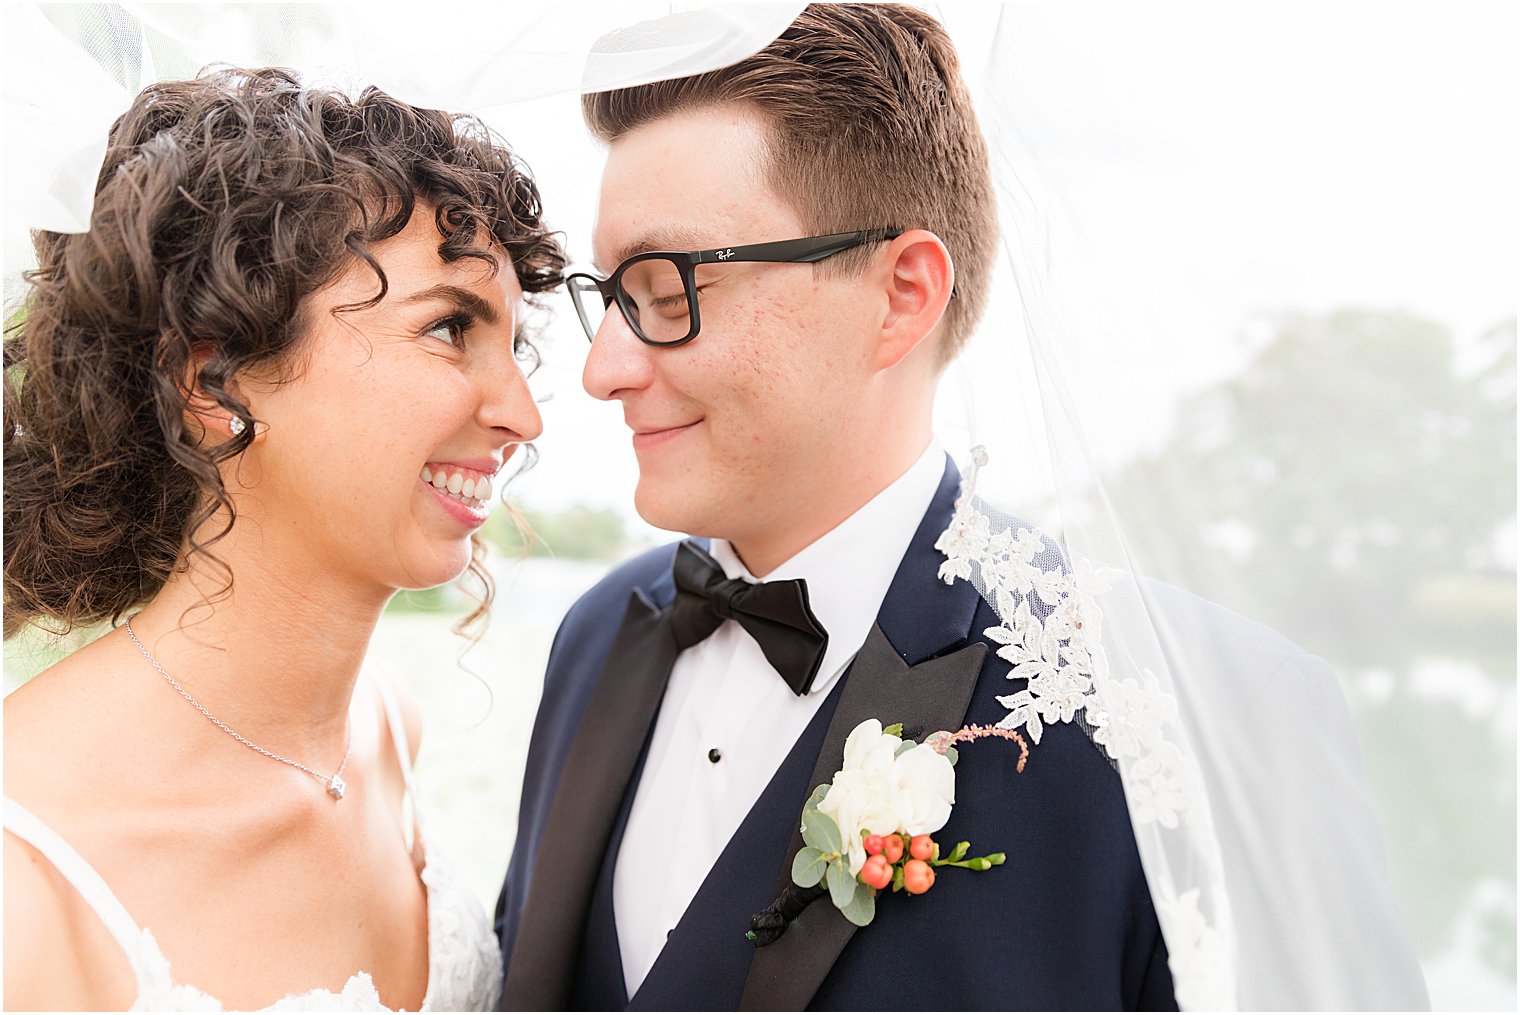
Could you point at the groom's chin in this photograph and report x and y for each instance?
(672, 506)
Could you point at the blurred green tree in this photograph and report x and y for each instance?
(576, 533)
(1356, 438)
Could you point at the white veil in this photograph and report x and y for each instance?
(1242, 766)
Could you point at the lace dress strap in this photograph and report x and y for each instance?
(397, 724)
(27, 827)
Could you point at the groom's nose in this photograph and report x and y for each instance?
(618, 362)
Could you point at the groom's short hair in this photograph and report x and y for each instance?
(871, 127)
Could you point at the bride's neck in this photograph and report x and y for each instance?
(277, 656)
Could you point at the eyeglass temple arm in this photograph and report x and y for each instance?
(803, 251)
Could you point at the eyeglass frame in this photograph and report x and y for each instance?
(804, 250)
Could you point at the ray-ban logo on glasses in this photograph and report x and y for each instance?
(724, 255)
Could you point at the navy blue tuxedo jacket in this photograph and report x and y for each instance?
(1065, 923)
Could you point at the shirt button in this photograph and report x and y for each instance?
(715, 755)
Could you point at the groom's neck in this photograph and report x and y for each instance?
(822, 508)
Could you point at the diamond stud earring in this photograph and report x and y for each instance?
(237, 426)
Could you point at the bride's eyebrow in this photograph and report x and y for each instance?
(464, 301)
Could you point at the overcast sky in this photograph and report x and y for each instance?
(1201, 164)
(1210, 162)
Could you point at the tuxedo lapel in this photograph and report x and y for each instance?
(931, 696)
(907, 677)
(586, 805)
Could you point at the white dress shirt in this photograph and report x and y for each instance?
(726, 702)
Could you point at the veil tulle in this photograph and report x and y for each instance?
(1241, 764)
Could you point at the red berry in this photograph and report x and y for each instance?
(874, 845)
(893, 847)
(921, 847)
(918, 877)
(877, 872)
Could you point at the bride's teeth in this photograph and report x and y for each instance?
(470, 488)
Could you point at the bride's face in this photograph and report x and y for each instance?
(383, 453)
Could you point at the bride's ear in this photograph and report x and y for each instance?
(211, 422)
(917, 279)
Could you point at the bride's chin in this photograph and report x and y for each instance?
(441, 569)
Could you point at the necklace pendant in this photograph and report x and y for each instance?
(335, 787)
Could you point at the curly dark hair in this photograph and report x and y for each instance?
(223, 203)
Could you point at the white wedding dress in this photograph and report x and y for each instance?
(464, 960)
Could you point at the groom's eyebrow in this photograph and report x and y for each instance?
(671, 238)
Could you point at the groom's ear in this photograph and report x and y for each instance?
(916, 277)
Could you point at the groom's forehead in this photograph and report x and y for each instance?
(690, 180)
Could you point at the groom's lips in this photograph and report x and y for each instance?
(649, 437)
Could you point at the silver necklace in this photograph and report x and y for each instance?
(334, 783)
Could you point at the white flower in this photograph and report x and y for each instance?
(881, 792)
(925, 790)
(862, 795)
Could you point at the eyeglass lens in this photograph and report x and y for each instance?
(653, 296)
(655, 300)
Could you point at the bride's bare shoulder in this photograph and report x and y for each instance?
(58, 954)
(99, 682)
(50, 716)
(73, 743)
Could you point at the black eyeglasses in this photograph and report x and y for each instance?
(657, 290)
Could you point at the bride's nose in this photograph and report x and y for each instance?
(507, 405)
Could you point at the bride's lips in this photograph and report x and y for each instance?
(462, 488)
(650, 437)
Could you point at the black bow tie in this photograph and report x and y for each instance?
(776, 614)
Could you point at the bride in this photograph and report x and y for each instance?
(274, 383)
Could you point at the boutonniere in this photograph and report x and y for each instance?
(872, 827)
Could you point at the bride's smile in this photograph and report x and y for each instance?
(423, 387)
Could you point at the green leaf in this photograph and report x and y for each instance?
(978, 863)
(807, 867)
(906, 745)
(897, 878)
(953, 755)
(820, 832)
(959, 852)
(894, 730)
(841, 885)
(817, 797)
(996, 858)
(862, 908)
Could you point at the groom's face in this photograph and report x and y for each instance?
(746, 427)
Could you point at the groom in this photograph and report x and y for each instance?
(779, 398)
